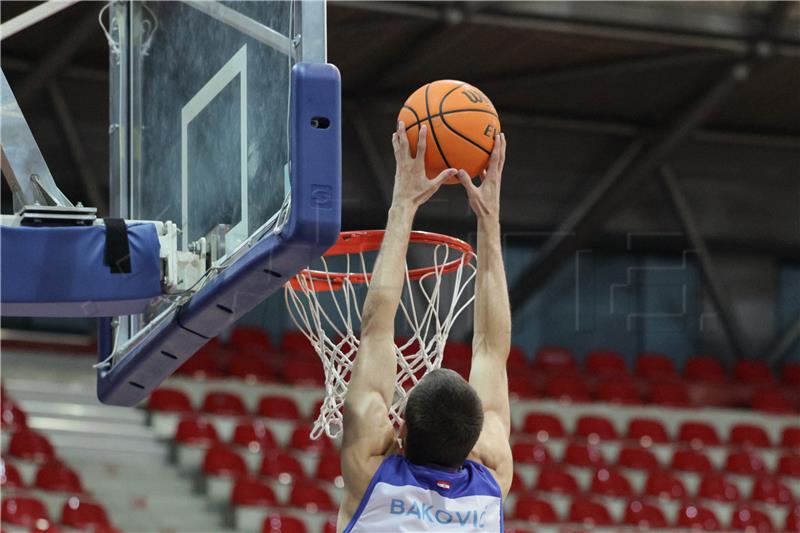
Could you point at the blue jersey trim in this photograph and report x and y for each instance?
(364, 499)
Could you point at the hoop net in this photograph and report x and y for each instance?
(326, 306)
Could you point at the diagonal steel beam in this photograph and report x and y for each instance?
(616, 188)
(713, 281)
(783, 343)
(59, 57)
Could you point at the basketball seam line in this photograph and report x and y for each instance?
(451, 112)
(414, 112)
(449, 127)
(433, 131)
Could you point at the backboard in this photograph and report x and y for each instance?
(202, 138)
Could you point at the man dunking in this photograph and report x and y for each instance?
(454, 465)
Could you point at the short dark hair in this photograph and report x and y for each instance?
(444, 418)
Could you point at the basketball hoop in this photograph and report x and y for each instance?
(326, 306)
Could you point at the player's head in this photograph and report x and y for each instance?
(443, 420)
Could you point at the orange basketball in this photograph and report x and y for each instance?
(462, 123)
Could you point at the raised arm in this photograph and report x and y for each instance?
(492, 338)
(368, 434)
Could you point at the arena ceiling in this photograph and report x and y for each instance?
(595, 97)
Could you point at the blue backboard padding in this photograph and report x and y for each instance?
(59, 271)
(313, 226)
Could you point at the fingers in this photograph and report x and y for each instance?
(466, 181)
(446, 174)
(402, 137)
(422, 143)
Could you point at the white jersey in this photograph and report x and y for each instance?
(405, 497)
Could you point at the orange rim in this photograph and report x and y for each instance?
(353, 242)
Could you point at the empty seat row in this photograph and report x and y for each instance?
(663, 484)
(50, 476)
(649, 515)
(647, 431)
(640, 458)
(78, 513)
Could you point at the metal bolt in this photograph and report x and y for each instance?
(296, 40)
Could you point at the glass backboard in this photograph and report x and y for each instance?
(200, 127)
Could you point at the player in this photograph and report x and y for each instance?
(453, 465)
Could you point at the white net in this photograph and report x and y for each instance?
(326, 307)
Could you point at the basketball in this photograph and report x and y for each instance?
(462, 124)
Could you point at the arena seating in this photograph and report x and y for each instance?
(597, 443)
(39, 491)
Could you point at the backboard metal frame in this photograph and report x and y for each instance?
(132, 367)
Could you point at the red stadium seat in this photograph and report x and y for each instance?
(637, 458)
(278, 407)
(9, 476)
(281, 466)
(790, 437)
(589, 513)
(647, 431)
(25, 511)
(56, 476)
(84, 515)
(517, 361)
(696, 517)
(223, 403)
(745, 463)
(196, 431)
(330, 525)
(691, 461)
(517, 530)
(544, 426)
(605, 362)
(301, 440)
(618, 391)
(530, 453)
(169, 400)
(517, 485)
(698, 434)
(205, 363)
(790, 374)
(772, 401)
(581, 454)
(669, 394)
(253, 492)
(250, 368)
(595, 428)
(704, 368)
(329, 467)
(249, 339)
(311, 497)
(301, 372)
(793, 519)
(222, 461)
(254, 435)
(749, 435)
(522, 386)
(751, 520)
(644, 515)
(567, 388)
(29, 445)
(611, 483)
(717, 487)
(651, 365)
(664, 484)
(789, 465)
(12, 416)
(534, 510)
(295, 342)
(553, 479)
(753, 372)
(283, 524)
(457, 353)
(771, 490)
(556, 360)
